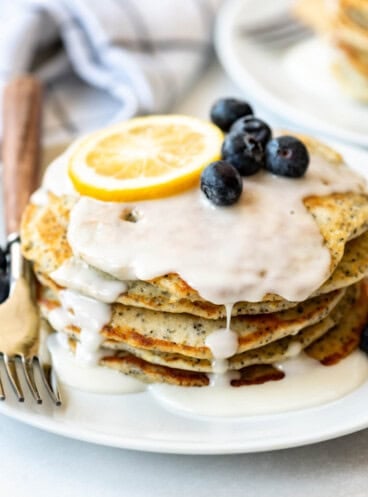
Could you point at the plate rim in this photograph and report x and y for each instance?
(162, 446)
(223, 39)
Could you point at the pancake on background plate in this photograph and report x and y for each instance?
(345, 24)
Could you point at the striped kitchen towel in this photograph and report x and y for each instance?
(105, 60)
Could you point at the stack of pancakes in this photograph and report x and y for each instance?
(158, 328)
(345, 22)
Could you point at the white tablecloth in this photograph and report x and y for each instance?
(36, 463)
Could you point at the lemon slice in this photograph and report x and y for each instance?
(144, 158)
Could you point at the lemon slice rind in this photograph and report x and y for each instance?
(178, 173)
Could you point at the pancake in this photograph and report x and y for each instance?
(346, 24)
(351, 23)
(332, 347)
(352, 75)
(341, 340)
(276, 351)
(150, 373)
(146, 372)
(186, 334)
(148, 296)
(313, 13)
(358, 59)
(343, 21)
(268, 354)
(44, 243)
(352, 268)
(257, 375)
(289, 346)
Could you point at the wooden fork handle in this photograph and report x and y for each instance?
(21, 146)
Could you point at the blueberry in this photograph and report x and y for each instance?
(287, 156)
(225, 111)
(3, 262)
(243, 152)
(253, 126)
(221, 183)
(364, 339)
(4, 287)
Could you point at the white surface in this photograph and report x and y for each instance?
(34, 463)
(295, 82)
(38, 463)
(87, 377)
(307, 383)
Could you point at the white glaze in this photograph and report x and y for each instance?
(307, 383)
(39, 197)
(90, 378)
(76, 274)
(223, 344)
(87, 314)
(56, 179)
(59, 318)
(293, 350)
(275, 245)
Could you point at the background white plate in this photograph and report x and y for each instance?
(137, 421)
(306, 94)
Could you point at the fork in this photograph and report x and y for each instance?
(19, 327)
(278, 31)
(28, 367)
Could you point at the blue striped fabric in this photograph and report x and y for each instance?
(105, 60)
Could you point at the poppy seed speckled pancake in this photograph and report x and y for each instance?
(352, 268)
(171, 294)
(337, 344)
(341, 340)
(268, 354)
(147, 372)
(186, 334)
(44, 242)
(143, 294)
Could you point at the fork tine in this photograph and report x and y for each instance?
(287, 31)
(55, 386)
(11, 373)
(29, 377)
(274, 23)
(291, 30)
(278, 31)
(284, 40)
(46, 374)
(2, 391)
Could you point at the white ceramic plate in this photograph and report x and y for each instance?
(138, 421)
(294, 83)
